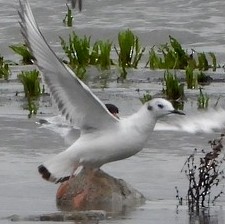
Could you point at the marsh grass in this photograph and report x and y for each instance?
(77, 50)
(178, 53)
(130, 51)
(202, 62)
(81, 54)
(214, 61)
(205, 174)
(146, 97)
(31, 83)
(22, 50)
(155, 61)
(104, 59)
(191, 77)
(100, 54)
(32, 90)
(172, 56)
(68, 20)
(4, 69)
(203, 100)
(174, 90)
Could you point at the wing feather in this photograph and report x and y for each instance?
(73, 98)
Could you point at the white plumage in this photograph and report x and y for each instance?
(104, 138)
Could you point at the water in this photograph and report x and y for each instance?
(155, 171)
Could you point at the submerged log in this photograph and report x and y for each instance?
(96, 190)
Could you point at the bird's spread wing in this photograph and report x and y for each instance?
(73, 98)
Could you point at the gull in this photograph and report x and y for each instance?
(103, 137)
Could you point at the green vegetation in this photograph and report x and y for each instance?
(168, 56)
(130, 51)
(101, 54)
(146, 97)
(204, 175)
(191, 77)
(4, 69)
(214, 62)
(78, 51)
(81, 54)
(174, 90)
(32, 90)
(195, 77)
(202, 62)
(31, 83)
(68, 20)
(23, 51)
(203, 100)
(173, 56)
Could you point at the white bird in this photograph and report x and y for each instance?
(104, 138)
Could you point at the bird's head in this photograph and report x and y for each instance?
(161, 107)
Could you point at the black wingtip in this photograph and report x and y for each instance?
(62, 179)
(44, 172)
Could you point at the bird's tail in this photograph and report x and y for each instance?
(58, 169)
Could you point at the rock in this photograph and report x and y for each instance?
(96, 190)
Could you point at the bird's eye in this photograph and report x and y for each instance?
(160, 106)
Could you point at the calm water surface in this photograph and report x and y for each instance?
(155, 171)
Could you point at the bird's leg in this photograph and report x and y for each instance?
(66, 182)
(76, 170)
(71, 174)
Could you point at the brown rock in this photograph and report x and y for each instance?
(96, 190)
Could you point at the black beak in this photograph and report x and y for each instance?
(177, 112)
